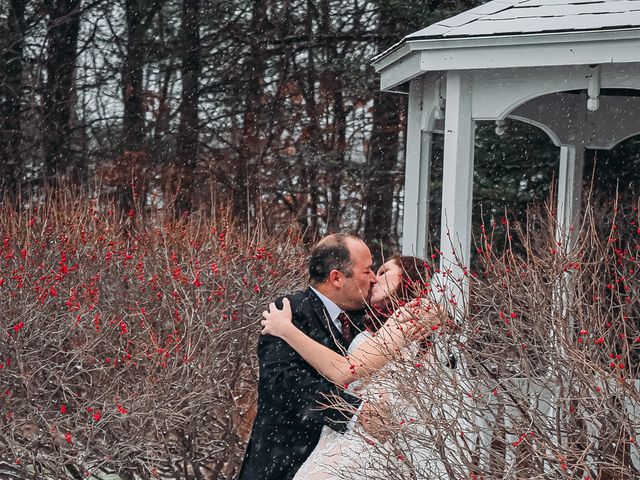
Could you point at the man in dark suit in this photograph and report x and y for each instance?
(291, 393)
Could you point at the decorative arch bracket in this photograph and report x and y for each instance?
(595, 106)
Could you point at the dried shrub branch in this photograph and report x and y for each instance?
(129, 342)
(546, 383)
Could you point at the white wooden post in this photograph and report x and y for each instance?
(633, 411)
(418, 166)
(569, 192)
(455, 223)
(410, 220)
(457, 184)
(423, 193)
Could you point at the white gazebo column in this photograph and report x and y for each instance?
(418, 167)
(423, 192)
(457, 185)
(455, 226)
(410, 220)
(569, 193)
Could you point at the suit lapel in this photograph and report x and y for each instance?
(322, 316)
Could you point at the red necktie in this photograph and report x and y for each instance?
(346, 327)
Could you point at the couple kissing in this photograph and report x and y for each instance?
(315, 346)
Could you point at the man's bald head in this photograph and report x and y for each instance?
(331, 253)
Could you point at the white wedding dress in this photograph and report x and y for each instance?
(355, 455)
(349, 455)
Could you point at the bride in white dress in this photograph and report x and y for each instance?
(355, 454)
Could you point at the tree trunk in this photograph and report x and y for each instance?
(335, 146)
(11, 61)
(312, 136)
(133, 121)
(335, 168)
(250, 145)
(59, 99)
(382, 158)
(130, 165)
(187, 147)
(382, 161)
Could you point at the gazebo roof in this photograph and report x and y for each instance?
(517, 33)
(568, 67)
(501, 17)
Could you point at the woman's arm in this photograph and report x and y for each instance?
(369, 357)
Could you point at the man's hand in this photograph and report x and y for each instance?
(375, 418)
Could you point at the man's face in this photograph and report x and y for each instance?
(356, 290)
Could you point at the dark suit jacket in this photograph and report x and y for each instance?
(290, 391)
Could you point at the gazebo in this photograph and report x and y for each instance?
(569, 67)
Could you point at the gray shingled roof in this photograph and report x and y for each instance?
(502, 17)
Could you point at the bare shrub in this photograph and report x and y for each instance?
(545, 383)
(128, 342)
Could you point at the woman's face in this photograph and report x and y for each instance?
(389, 278)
